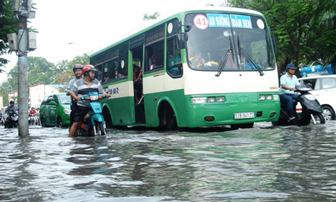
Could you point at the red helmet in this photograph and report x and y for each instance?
(77, 66)
(88, 68)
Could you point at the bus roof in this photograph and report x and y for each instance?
(150, 24)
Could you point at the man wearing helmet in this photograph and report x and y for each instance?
(288, 83)
(77, 70)
(32, 111)
(81, 88)
(11, 106)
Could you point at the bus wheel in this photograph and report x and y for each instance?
(107, 118)
(171, 123)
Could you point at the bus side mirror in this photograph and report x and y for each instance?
(181, 40)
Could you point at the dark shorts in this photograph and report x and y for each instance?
(138, 86)
(80, 113)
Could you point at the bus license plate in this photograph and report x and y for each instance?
(244, 115)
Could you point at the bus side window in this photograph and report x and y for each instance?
(174, 67)
(154, 56)
(99, 74)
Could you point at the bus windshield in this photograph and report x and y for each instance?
(229, 42)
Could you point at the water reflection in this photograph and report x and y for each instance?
(263, 164)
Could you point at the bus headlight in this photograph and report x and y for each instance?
(221, 99)
(275, 97)
(211, 99)
(198, 100)
(268, 97)
(262, 97)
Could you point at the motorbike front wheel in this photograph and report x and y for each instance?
(99, 129)
(319, 118)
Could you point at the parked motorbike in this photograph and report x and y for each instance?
(11, 120)
(93, 124)
(311, 110)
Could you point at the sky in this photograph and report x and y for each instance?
(90, 25)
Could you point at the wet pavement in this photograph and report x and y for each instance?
(260, 164)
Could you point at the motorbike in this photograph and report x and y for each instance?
(1, 120)
(311, 110)
(93, 123)
(32, 120)
(11, 120)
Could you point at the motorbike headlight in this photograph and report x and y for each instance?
(67, 111)
(94, 97)
(310, 97)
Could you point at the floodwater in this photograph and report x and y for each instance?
(260, 164)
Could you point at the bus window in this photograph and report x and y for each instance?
(99, 74)
(123, 58)
(174, 66)
(154, 49)
(154, 56)
(111, 67)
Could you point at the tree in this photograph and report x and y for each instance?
(66, 74)
(296, 27)
(151, 17)
(40, 71)
(8, 24)
(323, 37)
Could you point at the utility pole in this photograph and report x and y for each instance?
(21, 44)
(23, 76)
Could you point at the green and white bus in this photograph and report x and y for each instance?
(199, 68)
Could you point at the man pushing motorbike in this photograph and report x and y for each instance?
(77, 70)
(288, 84)
(81, 88)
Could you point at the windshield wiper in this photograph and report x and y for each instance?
(223, 62)
(249, 59)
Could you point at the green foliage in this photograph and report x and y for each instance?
(154, 16)
(8, 24)
(40, 71)
(67, 73)
(304, 30)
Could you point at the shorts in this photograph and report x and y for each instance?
(80, 113)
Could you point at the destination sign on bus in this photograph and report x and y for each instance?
(223, 20)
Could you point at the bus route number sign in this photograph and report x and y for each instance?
(244, 115)
(201, 22)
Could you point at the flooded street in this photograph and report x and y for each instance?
(260, 164)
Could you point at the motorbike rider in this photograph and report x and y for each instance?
(288, 84)
(32, 111)
(77, 70)
(81, 88)
(11, 107)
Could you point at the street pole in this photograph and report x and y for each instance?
(22, 43)
(23, 76)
